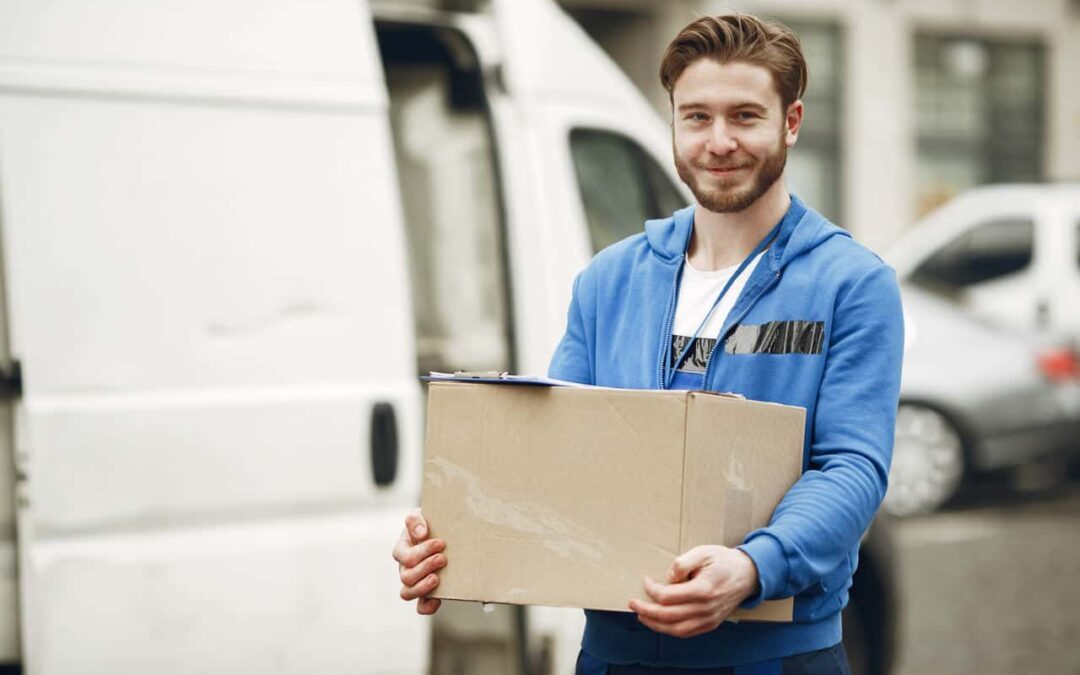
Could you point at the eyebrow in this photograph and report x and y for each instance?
(684, 107)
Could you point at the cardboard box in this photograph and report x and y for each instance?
(568, 496)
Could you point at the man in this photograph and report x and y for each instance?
(747, 291)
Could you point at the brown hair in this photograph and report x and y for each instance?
(739, 37)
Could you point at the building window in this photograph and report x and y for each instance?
(979, 114)
(814, 170)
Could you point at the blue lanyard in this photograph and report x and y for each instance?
(762, 245)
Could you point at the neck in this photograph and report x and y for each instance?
(721, 240)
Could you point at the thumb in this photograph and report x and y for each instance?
(416, 526)
(687, 564)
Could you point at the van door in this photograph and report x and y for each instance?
(204, 254)
(453, 205)
(585, 158)
(10, 390)
(561, 85)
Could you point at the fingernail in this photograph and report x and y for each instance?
(418, 531)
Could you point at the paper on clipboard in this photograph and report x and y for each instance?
(494, 377)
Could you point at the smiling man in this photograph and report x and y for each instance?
(747, 291)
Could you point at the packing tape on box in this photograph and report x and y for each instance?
(738, 509)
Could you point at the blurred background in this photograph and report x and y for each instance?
(910, 102)
(234, 234)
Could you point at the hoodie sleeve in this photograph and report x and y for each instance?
(820, 520)
(572, 360)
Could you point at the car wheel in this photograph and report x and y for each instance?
(927, 464)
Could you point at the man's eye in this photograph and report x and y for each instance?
(698, 117)
(746, 116)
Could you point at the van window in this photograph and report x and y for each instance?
(444, 148)
(621, 185)
(989, 251)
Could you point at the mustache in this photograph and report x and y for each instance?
(724, 167)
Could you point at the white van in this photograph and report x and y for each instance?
(233, 235)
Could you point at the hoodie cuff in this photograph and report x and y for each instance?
(772, 566)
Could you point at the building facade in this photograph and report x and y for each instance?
(909, 101)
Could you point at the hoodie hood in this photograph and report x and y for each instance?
(802, 229)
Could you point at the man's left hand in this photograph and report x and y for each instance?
(705, 585)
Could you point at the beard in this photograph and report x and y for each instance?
(732, 199)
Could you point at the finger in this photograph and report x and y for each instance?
(419, 590)
(416, 526)
(683, 629)
(410, 576)
(695, 590)
(402, 546)
(428, 605)
(683, 566)
(671, 614)
(412, 556)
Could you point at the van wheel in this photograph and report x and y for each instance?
(928, 461)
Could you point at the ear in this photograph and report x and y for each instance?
(793, 119)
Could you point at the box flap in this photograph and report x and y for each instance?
(741, 459)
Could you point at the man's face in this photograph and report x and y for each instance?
(730, 133)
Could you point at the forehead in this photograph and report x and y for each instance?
(711, 83)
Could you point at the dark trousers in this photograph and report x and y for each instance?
(829, 661)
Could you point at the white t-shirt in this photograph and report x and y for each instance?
(697, 293)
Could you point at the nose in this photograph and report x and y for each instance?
(720, 141)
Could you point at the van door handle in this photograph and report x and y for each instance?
(384, 444)
(11, 383)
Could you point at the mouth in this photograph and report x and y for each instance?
(725, 170)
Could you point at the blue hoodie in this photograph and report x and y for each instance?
(818, 325)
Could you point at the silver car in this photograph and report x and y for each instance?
(974, 398)
(1009, 253)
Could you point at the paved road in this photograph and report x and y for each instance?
(992, 586)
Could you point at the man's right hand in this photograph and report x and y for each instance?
(419, 559)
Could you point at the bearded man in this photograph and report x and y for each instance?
(747, 291)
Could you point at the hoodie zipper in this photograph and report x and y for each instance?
(666, 337)
(669, 323)
(731, 326)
